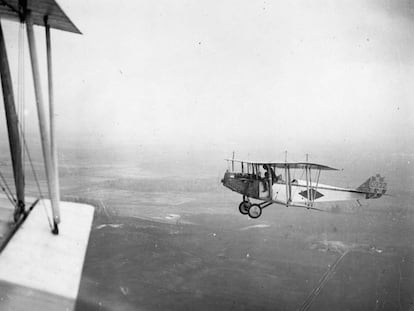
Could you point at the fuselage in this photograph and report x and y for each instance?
(295, 192)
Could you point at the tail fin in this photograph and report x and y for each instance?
(374, 187)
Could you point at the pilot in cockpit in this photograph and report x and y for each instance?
(268, 169)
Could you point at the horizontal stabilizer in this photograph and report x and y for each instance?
(374, 187)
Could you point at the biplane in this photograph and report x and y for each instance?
(272, 183)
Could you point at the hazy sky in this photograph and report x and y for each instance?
(233, 72)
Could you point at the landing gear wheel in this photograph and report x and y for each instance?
(244, 207)
(255, 211)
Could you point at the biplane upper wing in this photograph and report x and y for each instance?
(291, 165)
(303, 165)
(39, 9)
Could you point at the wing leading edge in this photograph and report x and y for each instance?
(291, 165)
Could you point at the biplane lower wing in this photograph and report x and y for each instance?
(41, 271)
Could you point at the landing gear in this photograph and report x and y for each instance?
(255, 211)
(244, 207)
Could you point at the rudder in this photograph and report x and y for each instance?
(374, 187)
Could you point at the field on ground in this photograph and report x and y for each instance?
(160, 243)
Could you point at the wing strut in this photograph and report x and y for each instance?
(53, 144)
(51, 174)
(12, 128)
(288, 185)
(287, 180)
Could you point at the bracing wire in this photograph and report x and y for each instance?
(37, 182)
(7, 191)
(300, 178)
(7, 195)
(20, 108)
(20, 105)
(7, 188)
(21, 124)
(21, 114)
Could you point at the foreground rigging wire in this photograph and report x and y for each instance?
(22, 115)
(7, 191)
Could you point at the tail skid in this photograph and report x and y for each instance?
(374, 187)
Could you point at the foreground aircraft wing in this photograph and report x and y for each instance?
(39, 270)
